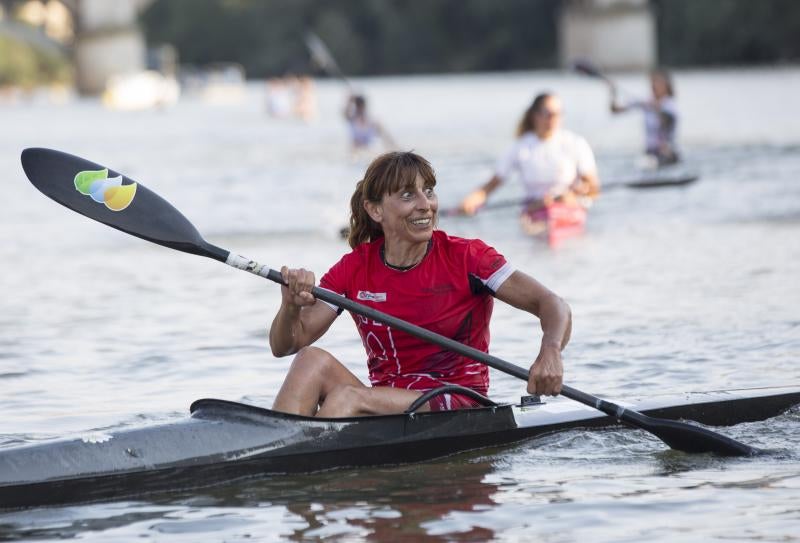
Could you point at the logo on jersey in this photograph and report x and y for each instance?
(371, 296)
(103, 190)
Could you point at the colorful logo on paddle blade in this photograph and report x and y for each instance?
(103, 190)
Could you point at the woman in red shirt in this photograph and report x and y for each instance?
(401, 265)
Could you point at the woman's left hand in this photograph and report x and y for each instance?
(547, 372)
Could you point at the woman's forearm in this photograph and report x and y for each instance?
(555, 317)
(285, 331)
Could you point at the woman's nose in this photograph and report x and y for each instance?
(424, 200)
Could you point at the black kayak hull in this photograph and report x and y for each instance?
(661, 181)
(225, 441)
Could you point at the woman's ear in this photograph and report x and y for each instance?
(374, 210)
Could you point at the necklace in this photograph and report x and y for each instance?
(404, 268)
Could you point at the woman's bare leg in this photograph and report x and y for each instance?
(313, 375)
(358, 400)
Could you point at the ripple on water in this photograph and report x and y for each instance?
(14, 374)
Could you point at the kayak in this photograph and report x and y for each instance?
(556, 222)
(659, 181)
(223, 441)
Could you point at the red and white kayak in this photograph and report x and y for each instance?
(557, 221)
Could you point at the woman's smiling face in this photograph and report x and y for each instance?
(409, 214)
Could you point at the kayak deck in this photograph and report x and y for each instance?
(224, 441)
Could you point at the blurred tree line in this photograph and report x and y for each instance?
(416, 36)
(365, 37)
(424, 36)
(713, 32)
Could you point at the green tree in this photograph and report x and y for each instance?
(706, 32)
(367, 37)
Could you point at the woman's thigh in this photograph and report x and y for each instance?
(357, 400)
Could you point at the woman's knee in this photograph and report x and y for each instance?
(313, 359)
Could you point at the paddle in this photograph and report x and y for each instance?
(323, 58)
(641, 183)
(586, 67)
(95, 192)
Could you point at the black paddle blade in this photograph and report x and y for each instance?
(114, 200)
(678, 435)
(689, 438)
(585, 67)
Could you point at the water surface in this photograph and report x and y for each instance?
(677, 289)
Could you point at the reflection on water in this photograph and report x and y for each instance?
(673, 289)
(377, 504)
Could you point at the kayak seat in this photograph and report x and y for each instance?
(449, 389)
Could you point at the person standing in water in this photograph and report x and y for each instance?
(660, 117)
(554, 164)
(364, 130)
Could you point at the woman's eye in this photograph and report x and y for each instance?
(429, 192)
(406, 195)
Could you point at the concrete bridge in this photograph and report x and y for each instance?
(108, 40)
(614, 34)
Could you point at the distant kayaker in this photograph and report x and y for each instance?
(554, 164)
(402, 265)
(364, 130)
(660, 117)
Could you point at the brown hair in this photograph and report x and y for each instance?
(526, 122)
(386, 174)
(666, 77)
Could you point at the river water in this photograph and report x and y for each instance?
(692, 288)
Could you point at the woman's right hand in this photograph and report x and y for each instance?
(297, 292)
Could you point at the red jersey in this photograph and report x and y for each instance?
(449, 292)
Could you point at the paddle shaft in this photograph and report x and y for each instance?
(323, 57)
(588, 68)
(242, 263)
(645, 183)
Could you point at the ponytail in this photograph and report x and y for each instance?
(362, 227)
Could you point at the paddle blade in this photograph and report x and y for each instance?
(320, 54)
(114, 200)
(689, 438)
(678, 435)
(585, 67)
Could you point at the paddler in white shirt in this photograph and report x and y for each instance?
(554, 164)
